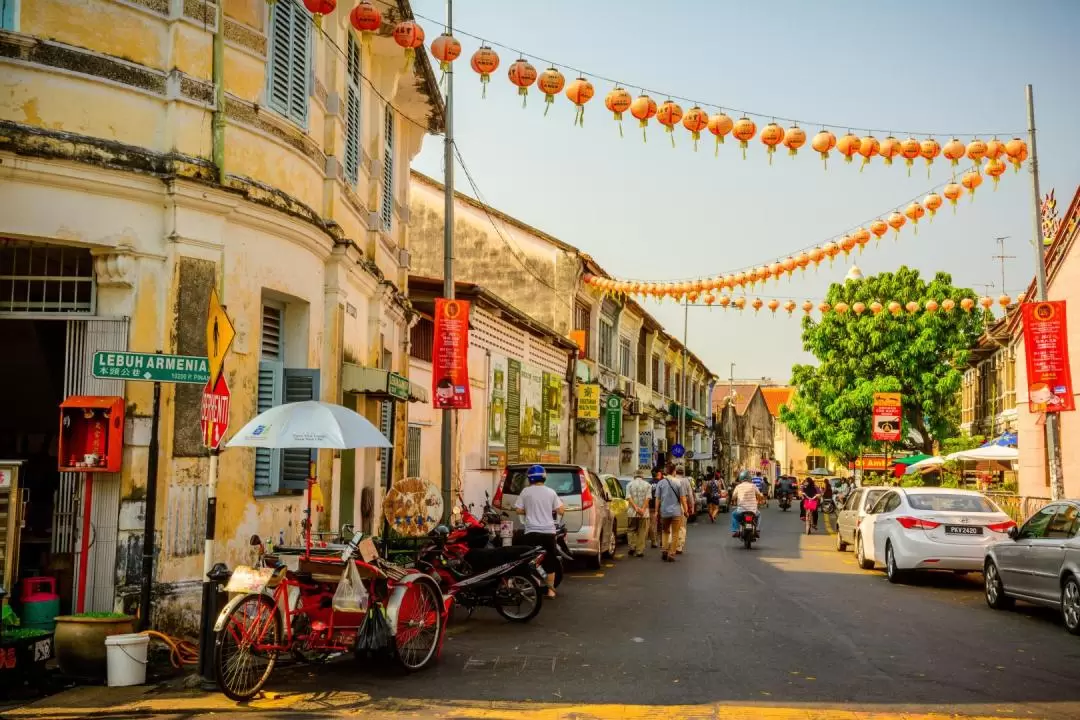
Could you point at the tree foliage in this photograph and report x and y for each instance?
(921, 356)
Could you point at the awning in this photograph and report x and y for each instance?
(911, 460)
(379, 383)
(675, 408)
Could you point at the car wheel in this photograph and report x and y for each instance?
(594, 562)
(609, 550)
(860, 555)
(895, 574)
(995, 589)
(1070, 604)
(841, 546)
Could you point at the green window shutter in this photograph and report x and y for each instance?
(267, 461)
(299, 384)
(388, 170)
(300, 64)
(352, 113)
(7, 14)
(278, 63)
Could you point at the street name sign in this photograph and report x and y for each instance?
(151, 367)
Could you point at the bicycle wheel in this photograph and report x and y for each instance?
(419, 626)
(245, 649)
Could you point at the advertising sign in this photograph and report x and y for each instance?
(588, 402)
(450, 360)
(645, 449)
(524, 413)
(613, 420)
(1047, 348)
(871, 462)
(888, 420)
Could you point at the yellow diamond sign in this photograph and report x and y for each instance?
(219, 336)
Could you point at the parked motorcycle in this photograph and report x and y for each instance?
(748, 529)
(828, 506)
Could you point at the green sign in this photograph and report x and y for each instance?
(613, 420)
(151, 367)
(397, 386)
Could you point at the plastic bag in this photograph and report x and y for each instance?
(351, 595)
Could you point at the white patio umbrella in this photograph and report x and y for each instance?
(925, 465)
(309, 424)
(996, 453)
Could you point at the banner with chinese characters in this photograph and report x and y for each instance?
(588, 401)
(888, 420)
(450, 360)
(1047, 348)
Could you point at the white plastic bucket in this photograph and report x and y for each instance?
(126, 656)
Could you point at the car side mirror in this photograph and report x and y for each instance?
(1014, 532)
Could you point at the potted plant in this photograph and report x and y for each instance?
(80, 641)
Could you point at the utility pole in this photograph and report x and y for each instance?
(448, 415)
(985, 286)
(682, 390)
(1001, 256)
(1053, 427)
(731, 427)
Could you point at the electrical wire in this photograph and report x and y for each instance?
(701, 103)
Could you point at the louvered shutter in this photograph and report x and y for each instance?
(388, 170)
(300, 65)
(267, 461)
(300, 384)
(289, 66)
(352, 113)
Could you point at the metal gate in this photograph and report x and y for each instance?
(84, 338)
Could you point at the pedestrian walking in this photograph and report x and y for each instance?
(671, 502)
(655, 536)
(689, 506)
(638, 493)
(712, 494)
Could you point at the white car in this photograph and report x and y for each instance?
(850, 515)
(929, 529)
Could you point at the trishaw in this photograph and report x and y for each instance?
(286, 603)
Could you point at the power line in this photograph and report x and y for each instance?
(701, 103)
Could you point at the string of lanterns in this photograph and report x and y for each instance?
(750, 277)
(522, 74)
(875, 308)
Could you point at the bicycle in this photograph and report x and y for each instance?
(810, 506)
(280, 610)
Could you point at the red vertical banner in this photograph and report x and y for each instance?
(450, 360)
(1046, 344)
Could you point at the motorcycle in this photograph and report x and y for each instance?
(828, 506)
(785, 501)
(514, 583)
(748, 529)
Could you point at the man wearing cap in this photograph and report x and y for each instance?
(539, 504)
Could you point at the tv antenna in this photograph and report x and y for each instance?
(1002, 257)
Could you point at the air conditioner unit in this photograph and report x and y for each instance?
(661, 444)
(628, 388)
(635, 407)
(404, 259)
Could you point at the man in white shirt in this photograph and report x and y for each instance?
(540, 504)
(745, 498)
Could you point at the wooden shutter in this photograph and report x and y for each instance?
(267, 461)
(388, 170)
(300, 66)
(289, 66)
(413, 446)
(271, 340)
(352, 113)
(299, 384)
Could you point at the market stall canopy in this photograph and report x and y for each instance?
(309, 424)
(996, 453)
(927, 464)
(909, 461)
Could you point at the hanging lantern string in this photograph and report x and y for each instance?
(763, 115)
(806, 248)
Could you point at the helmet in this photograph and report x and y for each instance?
(536, 474)
(744, 476)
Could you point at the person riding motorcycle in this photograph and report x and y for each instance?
(745, 498)
(785, 488)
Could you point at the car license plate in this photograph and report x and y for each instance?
(962, 530)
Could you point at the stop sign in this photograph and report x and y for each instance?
(215, 412)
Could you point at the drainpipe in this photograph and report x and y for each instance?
(218, 121)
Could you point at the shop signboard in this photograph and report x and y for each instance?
(588, 402)
(645, 449)
(613, 420)
(450, 359)
(872, 462)
(888, 420)
(1046, 346)
(397, 386)
(525, 407)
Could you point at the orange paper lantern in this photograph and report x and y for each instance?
(743, 131)
(776, 270)
(773, 305)
(952, 193)
(789, 306)
(794, 138)
(808, 307)
(890, 148)
(861, 237)
(789, 266)
(551, 83)
(841, 308)
(802, 260)
(446, 50)
(816, 256)
(879, 227)
(757, 305)
(995, 169)
(948, 304)
(522, 74)
(643, 108)
(976, 151)
(772, 135)
(915, 212)
(987, 302)
(931, 306)
(695, 121)
(823, 142)
(824, 308)
(739, 303)
(868, 148)
(858, 308)
(1017, 151)
(896, 221)
(580, 92)
(725, 300)
(848, 243)
(366, 18)
(971, 180)
(995, 149)
(929, 149)
(669, 114)
(409, 36)
(720, 125)
(831, 250)
(848, 145)
(967, 304)
(910, 149)
(484, 61)
(932, 202)
(954, 150)
(894, 308)
(709, 298)
(1004, 301)
(618, 101)
(912, 307)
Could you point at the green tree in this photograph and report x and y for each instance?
(920, 355)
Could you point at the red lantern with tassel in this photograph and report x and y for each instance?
(366, 18)
(720, 125)
(744, 131)
(522, 74)
(794, 138)
(823, 142)
(319, 8)
(484, 62)
(551, 83)
(772, 135)
(868, 148)
(643, 108)
(446, 50)
(580, 92)
(669, 114)
(617, 102)
(695, 121)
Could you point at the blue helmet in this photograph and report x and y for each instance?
(537, 474)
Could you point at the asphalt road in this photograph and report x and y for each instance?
(789, 629)
(791, 621)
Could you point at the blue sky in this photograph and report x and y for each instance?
(646, 211)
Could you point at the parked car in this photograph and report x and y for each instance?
(618, 504)
(929, 528)
(851, 514)
(1039, 563)
(590, 524)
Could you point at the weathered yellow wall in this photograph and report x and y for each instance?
(105, 27)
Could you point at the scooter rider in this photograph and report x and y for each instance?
(785, 488)
(540, 504)
(745, 498)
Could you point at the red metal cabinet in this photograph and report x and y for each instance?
(91, 433)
